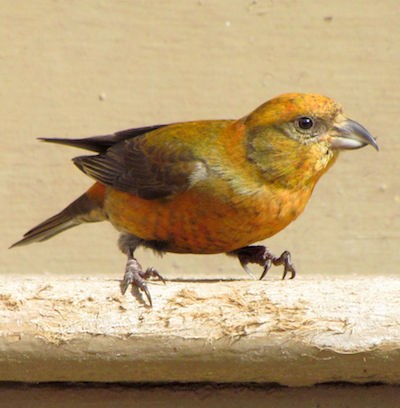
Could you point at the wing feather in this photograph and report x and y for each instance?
(148, 168)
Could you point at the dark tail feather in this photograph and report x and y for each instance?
(84, 209)
(47, 229)
(100, 144)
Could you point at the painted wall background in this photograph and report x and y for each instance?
(75, 69)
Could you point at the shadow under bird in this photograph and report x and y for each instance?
(210, 186)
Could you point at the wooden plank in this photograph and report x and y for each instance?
(299, 332)
(197, 395)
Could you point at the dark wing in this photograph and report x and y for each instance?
(100, 144)
(150, 168)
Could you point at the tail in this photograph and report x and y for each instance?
(87, 208)
(100, 144)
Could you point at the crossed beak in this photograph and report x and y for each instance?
(349, 134)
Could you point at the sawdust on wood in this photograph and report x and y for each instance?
(234, 314)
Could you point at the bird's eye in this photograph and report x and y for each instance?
(305, 123)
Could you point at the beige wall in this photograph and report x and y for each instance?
(74, 69)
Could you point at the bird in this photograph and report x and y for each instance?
(208, 186)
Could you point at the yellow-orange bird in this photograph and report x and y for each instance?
(212, 186)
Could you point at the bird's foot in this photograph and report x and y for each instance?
(136, 276)
(260, 255)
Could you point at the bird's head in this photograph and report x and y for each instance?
(311, 118)
(303, 131)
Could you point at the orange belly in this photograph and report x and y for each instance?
(199, 222)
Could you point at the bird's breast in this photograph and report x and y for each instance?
(201, 221)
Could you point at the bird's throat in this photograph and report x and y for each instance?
(285, 162)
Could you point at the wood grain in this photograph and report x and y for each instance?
(299, 332)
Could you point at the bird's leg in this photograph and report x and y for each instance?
(134, 273)
(260, 255)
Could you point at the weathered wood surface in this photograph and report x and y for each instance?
(299, 332)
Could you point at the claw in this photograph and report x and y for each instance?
(153, 273)
(267, 267)
(147, 292)
(124, 285)
(247, 269)
(260, 255)
(286, 259)
(135, 276)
